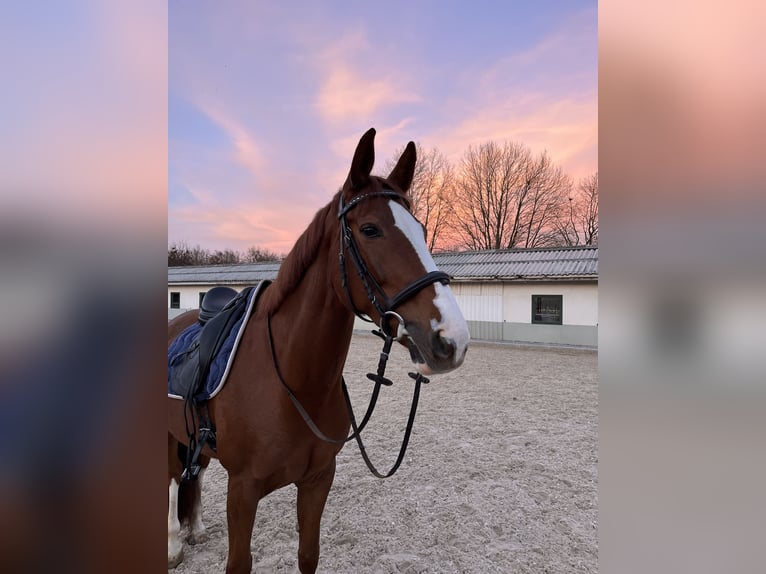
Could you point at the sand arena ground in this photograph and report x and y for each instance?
(500, 475)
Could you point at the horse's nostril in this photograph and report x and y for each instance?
(443, 348)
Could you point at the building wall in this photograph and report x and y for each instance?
(502, 311)
(580, 301)
(495, 311)
(190, 297)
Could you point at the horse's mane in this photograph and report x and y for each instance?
(303, 254)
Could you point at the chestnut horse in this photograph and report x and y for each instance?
(363, 253)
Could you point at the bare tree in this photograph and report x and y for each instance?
(430, 191)
(483, 201)
(579, 223)
(506, 197)
(180, 254)
(224, 257)
(546, 188)
(566, 225)
(176, 256)
(256, 254)
(589, 217)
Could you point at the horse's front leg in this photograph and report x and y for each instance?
(312, 495)
(242, 498)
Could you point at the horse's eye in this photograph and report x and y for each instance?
(370, 231)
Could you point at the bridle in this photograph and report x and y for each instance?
(375, 294)
(387, 307)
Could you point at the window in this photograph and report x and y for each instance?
(175, 300)
(201, 297)
(546, 309)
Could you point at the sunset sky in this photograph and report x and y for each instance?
(267, 100)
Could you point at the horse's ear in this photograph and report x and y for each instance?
(364, 158)
(404, 170)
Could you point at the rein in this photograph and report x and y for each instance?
(384, 309)
(379, 379)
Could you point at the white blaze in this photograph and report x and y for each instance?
(452, 325)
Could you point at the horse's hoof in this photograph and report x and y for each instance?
(198, 537)
(174, 561)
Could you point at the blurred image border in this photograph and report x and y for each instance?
(83, 239)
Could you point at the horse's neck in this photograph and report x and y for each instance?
(312, 332)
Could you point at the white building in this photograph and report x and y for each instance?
(525, 295)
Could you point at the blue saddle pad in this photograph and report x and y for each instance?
(184, 356)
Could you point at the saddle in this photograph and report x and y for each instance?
(200, 357)
(214, 301)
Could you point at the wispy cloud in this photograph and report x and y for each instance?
(291, 102)
(240, 226)
(567, 128)
(247, 152)
(544, 97)
(347, 95)
(354, 85)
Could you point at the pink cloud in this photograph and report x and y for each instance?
(566, 128)
(347, 95)
(270, 211)
(248, 152)
(242, 226)
(353, 85)
(531, 97)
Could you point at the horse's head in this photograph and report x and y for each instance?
(387, 271)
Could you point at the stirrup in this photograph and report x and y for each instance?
(193, 468)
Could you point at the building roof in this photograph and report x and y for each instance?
(236, 274)
(554, 263)
(522, 264)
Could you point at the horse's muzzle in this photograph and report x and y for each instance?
(444, 349)
(441, 355)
